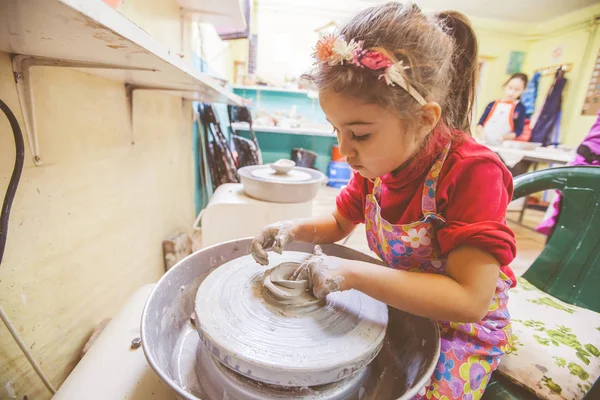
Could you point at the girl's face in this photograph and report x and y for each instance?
(373, 139)
(514, 89)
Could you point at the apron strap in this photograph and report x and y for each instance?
(428, 203)
(377, 189)
(428, 206)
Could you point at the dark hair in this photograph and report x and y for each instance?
(440, 50)
(519, 75)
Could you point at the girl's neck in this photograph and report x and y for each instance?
(422, 160)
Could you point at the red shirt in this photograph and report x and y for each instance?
(473, 191)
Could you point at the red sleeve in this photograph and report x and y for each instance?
(474, 196)
(351, 200)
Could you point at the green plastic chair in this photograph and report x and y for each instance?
(569, 266)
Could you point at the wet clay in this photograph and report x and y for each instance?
(271, 329)
(286, 294)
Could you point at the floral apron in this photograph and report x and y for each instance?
(469, 352)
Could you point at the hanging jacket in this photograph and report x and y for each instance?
(547, 121)
(529, 96)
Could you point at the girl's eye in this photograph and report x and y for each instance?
(361, 138)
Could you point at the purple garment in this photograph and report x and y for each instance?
(592, 141)
(546, 123)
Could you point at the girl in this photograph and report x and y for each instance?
(398, 85)
(504, 119)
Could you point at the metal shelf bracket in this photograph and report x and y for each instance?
(22, 65)
(186, 95)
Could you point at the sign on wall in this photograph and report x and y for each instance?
(515, 62)
(591, 104)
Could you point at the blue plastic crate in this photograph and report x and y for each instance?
(339, 174)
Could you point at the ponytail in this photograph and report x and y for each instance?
(463, 81)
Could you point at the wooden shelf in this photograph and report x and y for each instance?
(92, 32)
(220, 13)
(89, 35)
(259, 88)
(243, 126)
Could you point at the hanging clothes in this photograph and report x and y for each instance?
(547, 122)
(246, 151)
(220, 157)
(529, 96)
(528, 99)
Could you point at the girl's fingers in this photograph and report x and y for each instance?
(301, 273)
(317, 251)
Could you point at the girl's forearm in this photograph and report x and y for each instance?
(322, 230)
(428, 295)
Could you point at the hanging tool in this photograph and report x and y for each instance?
(221, 159)
(248, 151)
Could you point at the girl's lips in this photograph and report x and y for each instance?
(354, 165)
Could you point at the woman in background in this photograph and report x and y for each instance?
(504, 119)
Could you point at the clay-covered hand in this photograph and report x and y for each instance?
(323, 272)
(273, 237)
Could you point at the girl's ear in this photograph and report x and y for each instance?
(430, 116)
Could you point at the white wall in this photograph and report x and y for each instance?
(287, 34)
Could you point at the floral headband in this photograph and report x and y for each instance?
(335, 50)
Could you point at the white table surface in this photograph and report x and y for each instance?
(541, 154)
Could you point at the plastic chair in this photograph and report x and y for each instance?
(569, 266)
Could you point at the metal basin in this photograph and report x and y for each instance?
(171, 345)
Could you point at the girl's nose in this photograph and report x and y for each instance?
(346, 148)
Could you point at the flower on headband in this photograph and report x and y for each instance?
(335, 50)
(375, 60)
(342, 51)
(359, 53)
(324, 48)
(393, 75)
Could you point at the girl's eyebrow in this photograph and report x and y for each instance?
(354, 123)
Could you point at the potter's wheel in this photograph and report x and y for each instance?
(172, 346)
(269, 336)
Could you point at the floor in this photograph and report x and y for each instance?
(529, 242)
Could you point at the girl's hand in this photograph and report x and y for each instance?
(273, 237)
(324, 273)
